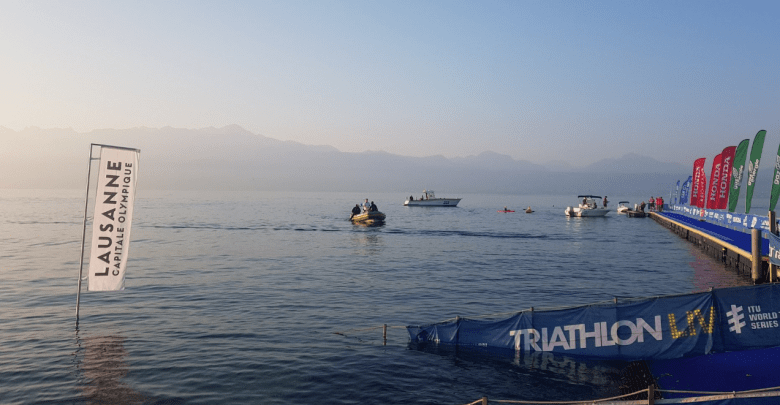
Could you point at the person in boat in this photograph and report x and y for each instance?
(411, 198)
(505, 209)
(366, 206)
(585, 202)
(373, 207)
(605, 201)
(355, 211)
(642, 206)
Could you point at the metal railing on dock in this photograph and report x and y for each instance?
(652, 397)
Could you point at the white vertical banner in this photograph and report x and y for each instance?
(118, 173)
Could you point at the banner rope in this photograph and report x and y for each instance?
(614, 300)
(349, 331)
(721, 392)
(733, 394)
(590, 401)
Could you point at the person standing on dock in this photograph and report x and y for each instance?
(651, 204)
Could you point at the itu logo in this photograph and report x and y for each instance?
(735, 318)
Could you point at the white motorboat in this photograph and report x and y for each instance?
(428, 199)
(588, 207)
(622, 207)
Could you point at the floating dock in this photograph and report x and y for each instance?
(731, 245)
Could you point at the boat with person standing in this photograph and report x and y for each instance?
(369, 218)
(588, 207)
(429, 199)
(369, 214)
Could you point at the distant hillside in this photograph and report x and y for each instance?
(633, 163)
(232, 158)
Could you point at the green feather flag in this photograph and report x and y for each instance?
(775, 183)
(736, 173)
(755, 159)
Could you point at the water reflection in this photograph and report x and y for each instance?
(368, 242)
(103, 367)
(542, 373)
(710, 273)
(369, 224)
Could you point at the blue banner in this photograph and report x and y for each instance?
(724, 218)
(774, 248)
(729, 319)
(685, 189)
(676, 192)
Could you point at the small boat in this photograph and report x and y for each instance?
(622, 207)
(636, 214)
(506, 210)
(587, 208)
(429, 200)
(369, 218)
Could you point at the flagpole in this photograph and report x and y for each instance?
(83, 235)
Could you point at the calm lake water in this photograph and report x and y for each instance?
(277, 298)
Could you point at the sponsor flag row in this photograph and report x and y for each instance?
(726, 175)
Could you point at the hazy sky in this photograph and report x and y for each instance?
(538, 80)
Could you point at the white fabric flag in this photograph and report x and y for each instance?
(112, 219)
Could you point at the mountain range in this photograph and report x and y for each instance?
(232, 158)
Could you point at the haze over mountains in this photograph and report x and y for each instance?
(232, 158)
